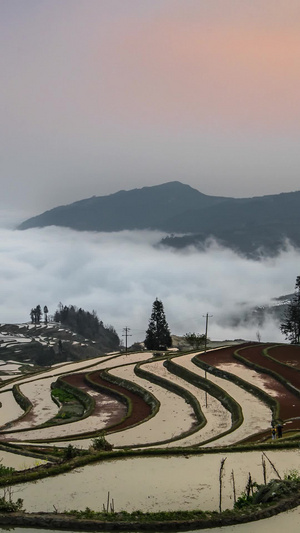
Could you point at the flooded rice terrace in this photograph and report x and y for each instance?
(168, 483)
(160, 483)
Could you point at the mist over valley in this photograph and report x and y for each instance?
(119, 274)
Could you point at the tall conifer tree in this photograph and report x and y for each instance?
(158, 335)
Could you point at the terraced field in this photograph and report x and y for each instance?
(216, 400)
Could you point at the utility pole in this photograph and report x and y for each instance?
(126, 335)
(207, 316)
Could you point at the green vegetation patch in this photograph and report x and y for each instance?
(138, 516)
(73, 402)
(62, 395)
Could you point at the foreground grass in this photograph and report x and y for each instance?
(124, 516)
(89, 520)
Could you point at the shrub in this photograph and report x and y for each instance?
(6, 503)
(6, 470)
(292, 475)
(71, 452)
(243, 501)
(100, 443)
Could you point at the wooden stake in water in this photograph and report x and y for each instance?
(112, 506)
(272, 465)
(233, 486)
(263, 462)
(248, 486)
(221, 472)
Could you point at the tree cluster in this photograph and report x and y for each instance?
(86, 324)
(195, 340)
(36, 314)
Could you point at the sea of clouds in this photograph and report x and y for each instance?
(119, 275)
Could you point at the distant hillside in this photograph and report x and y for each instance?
(244, 224)
(47, 344)
(146, 208)
(249, 225)
(257, 316)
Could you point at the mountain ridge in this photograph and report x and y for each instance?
(248, 225)
(143, 208)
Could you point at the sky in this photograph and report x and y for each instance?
(102, 95)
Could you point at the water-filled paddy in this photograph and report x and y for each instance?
(9, 409)
(257, 415)
(19, 462)
(154, 483)
(158, 483)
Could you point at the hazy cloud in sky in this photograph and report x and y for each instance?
(98, 96)
(120, 275)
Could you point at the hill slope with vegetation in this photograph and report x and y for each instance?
(248, 225)
(75, 334)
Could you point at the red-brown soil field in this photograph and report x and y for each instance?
(289, 402)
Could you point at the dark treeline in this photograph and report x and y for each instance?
(87, 325)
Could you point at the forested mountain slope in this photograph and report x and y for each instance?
(247, 225)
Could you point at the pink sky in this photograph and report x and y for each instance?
(103, 95)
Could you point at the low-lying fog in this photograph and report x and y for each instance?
(120, 275)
